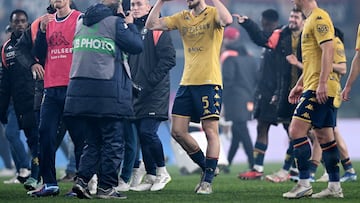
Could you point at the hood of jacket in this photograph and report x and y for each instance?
(96, 13)
(237, 46)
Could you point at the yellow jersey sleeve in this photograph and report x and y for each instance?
(358, 40)
(323, 29)
(173, 22)
(339, 51)
(339, 57)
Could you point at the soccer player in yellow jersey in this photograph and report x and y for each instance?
(355, 70)
(339, 66)
(199, 95)
(315, 92)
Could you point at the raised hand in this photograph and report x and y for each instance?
(240, 18)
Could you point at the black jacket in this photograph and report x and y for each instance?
(17, 83)
(239, 71)
(25, 58)
(283, 48)
(150, 71)
(275, 79)
(105, 93)
(266, 84)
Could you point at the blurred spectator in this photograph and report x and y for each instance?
(239, 71)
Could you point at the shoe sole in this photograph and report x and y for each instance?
(47, 195)
(328, 196)
(203, 193)
(139, 190)
(80, 192)
(160, 188)
(307, 193)
(348, 180)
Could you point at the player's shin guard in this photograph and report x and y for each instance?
(302, 152)
(331, 159)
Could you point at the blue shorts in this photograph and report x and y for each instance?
(198, 102)
(319, 115)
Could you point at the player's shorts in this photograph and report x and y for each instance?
(319, 115)
(265, 111)
(198, 102)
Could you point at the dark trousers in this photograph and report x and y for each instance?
(104, 150)
(77, 135)
(32, 139)
(131, 146)
(17, 148)
(151, 146)
(51, 113)
(240, 133)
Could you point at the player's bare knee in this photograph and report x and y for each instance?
(177, 135)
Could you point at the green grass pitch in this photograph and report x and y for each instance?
(227, 188)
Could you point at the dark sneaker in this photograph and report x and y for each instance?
(81, 190)
(251, 175)
(110, 193)
(45, 191)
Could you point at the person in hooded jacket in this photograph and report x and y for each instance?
(17, 89)
(99, 95)
(150, 72)
(239, 71)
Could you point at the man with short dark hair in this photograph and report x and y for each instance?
(315, 94)
(264, 110)
(199, 96)
(18, 86)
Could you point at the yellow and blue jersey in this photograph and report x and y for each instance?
(358, 40)
(318, 29)
(339, 57)
(202, 37)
